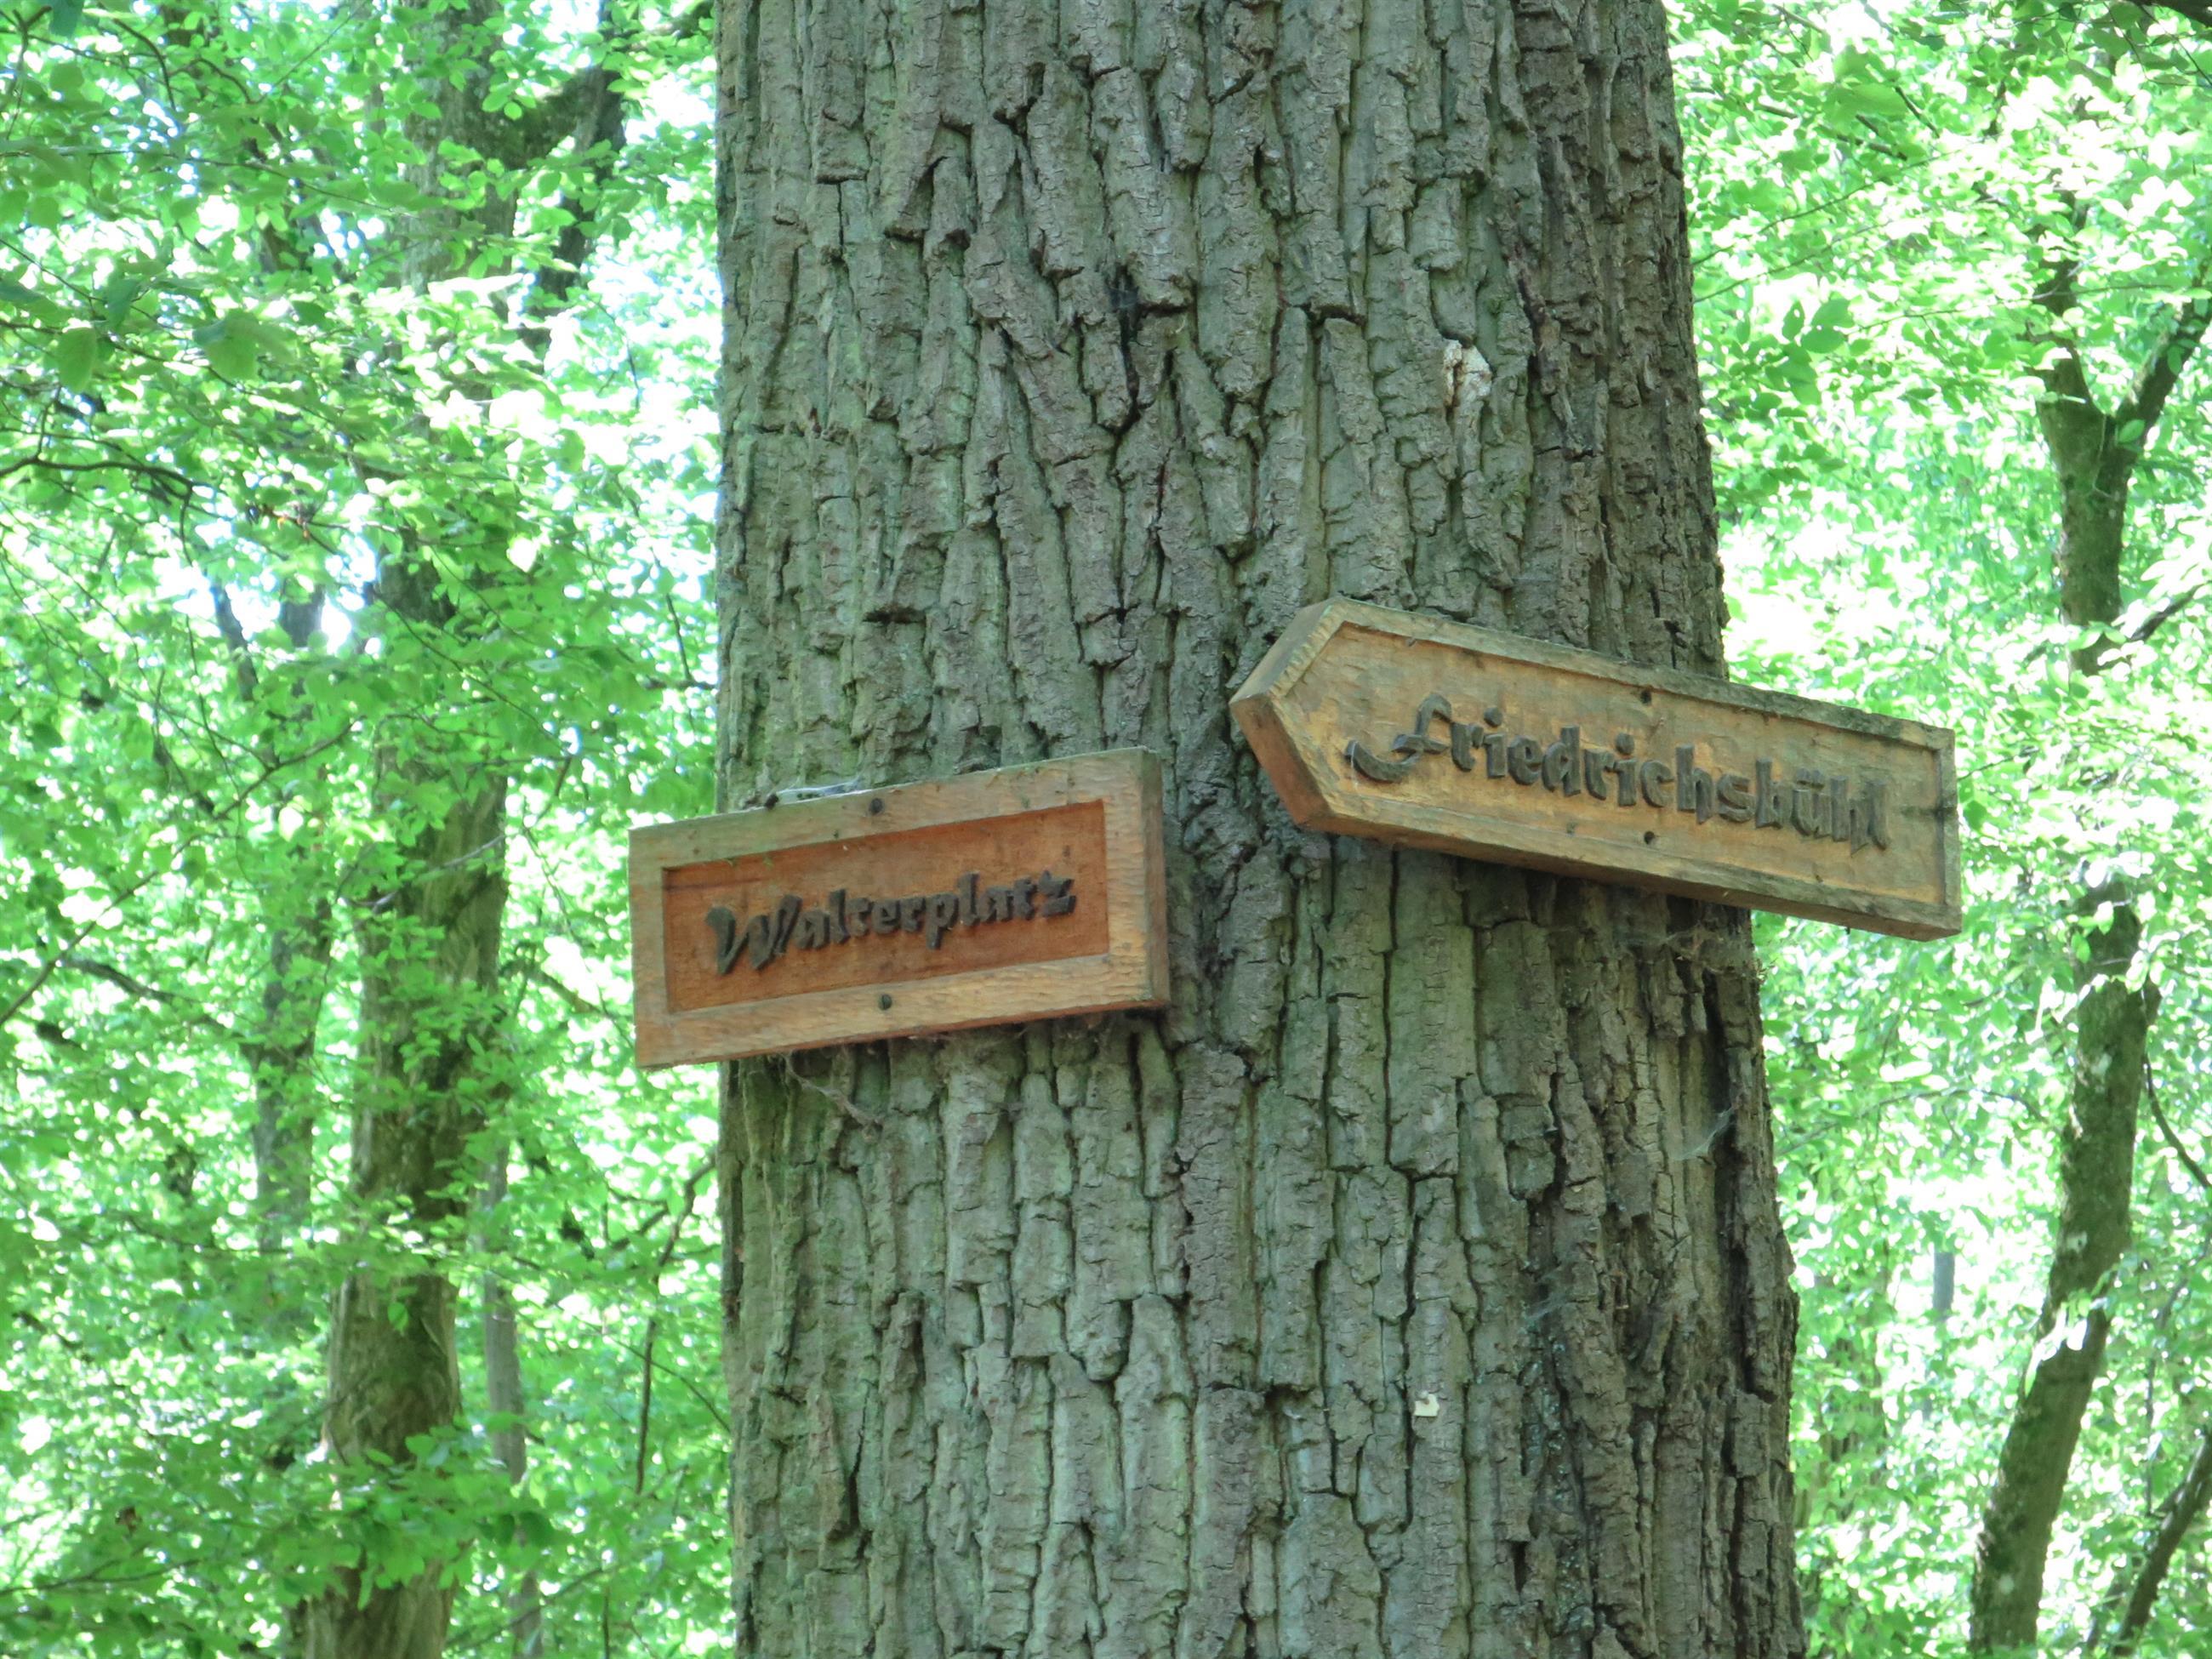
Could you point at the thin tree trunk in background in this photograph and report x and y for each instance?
(430, 1025)
(1415, 1287)
(431, 1016)
(429, 948)
(504, 1403)
(297, 913)
(2094, 464)
(292, 998)
(2096, 1181)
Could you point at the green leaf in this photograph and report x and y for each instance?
(75, 356)
(64, 16)
(118, 296)
(232, 349)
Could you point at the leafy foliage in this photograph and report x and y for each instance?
(226, 398)
(1881, 195)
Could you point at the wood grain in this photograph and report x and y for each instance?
(1347, 674)
(1090, 824)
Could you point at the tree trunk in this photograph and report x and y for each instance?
(430, 1017)
(2096, 1182)
(283, 1078)
(504, 1403)
(1414, 1287)
(430, 1025)
(2094, 454)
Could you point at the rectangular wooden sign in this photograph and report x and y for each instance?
(1433, 733)
(1002, 895)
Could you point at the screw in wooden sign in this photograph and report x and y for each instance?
(1430, 733)
(1020, 893)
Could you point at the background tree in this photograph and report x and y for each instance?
(1949, 337)
(269, 460)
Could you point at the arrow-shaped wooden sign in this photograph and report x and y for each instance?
(1433, 733)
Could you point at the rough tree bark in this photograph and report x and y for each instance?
(2094, 454)
(1415, 1286)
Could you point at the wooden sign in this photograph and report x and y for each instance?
(1433, 733)
(1003, 896)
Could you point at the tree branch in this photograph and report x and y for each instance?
(145, 992)
(2155, 384)
(580, 1005)
(539, 130)
(234, 635)
(2133, 1596)
(46, 970)
(169, 477)
(2058, 290)
(2164, 614)
(2196, 1170)
(2197, 11)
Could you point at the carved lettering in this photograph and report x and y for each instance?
(760, 941)
(724, 926)
(1595, 765)
(1773, 797)
(792, 924)
(1466, 739)
(1693, 785)
(1058, 893)
(1821, 804)
(1560, 767)
(1805, 797)
(1869, 813)
(1734, 803)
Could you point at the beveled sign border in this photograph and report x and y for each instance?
(1131, 972)
(1321, 792)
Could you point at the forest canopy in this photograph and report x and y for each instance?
(357, 476)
